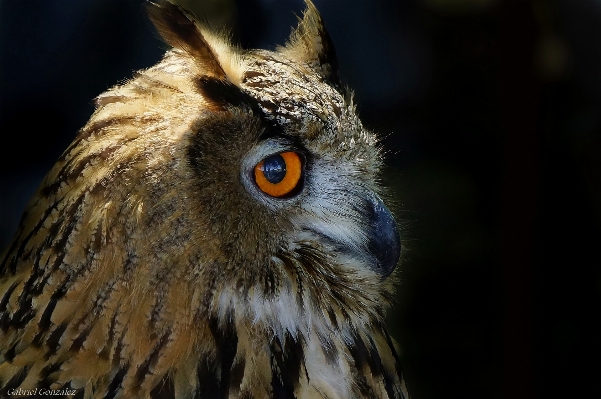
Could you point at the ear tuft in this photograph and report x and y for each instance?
(310, 43)
(182, 30)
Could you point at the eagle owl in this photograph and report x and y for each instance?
(214, 231)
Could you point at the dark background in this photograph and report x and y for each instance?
(490, 113)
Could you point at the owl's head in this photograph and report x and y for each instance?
(258, 176)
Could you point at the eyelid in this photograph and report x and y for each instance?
(277, 145)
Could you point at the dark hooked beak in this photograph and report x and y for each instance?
(384, 242)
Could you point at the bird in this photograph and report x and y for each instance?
(215, 230)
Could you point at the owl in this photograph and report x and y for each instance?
(216, 230)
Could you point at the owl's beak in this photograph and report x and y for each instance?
(384, 241)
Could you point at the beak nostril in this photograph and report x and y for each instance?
(384, 240)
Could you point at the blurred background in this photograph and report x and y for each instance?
(490, 115)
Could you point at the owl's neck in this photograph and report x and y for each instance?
(294, 348)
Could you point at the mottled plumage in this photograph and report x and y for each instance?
(152, 263)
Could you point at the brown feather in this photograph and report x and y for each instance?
(182, 30)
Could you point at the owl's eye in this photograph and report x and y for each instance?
(278, 175)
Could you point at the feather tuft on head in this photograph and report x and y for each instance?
(182, 30)
(310, 43)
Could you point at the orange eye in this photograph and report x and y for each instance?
(279, 174)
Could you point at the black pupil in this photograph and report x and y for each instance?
(274, 168)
